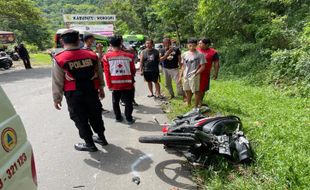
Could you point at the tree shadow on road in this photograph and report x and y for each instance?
(119, 161)
(21, 75)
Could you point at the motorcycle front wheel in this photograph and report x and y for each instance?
(168, 140)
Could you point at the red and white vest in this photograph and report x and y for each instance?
(119, 70)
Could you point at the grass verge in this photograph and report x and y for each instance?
(40, 59)
(278, 127)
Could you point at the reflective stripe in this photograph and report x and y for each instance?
(68, 78)
(121, 81)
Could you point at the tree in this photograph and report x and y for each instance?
(24, 18)
(177, 16)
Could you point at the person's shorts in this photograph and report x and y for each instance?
(151, 76)
(191, 83)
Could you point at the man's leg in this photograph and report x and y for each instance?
(202, 95)
(28, 63)
(25, 63)
(197, 99)
(189, 95)
(195, 88)
(95, 118)
(127, 98)
(204, 85)
(168, 81)
(157, 89)
(175, 75)
(134, 103)
(116, 96)
(150, 86)
(78, 113)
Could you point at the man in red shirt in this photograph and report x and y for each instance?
(212, 58)
(119, 70)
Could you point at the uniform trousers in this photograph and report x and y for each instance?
(126, 96)
(85, 110)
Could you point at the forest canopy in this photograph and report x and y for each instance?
(264, 41)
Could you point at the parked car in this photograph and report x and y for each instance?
(17, 166)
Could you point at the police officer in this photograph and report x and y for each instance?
(76, 74)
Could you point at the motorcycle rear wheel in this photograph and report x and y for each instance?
(168, 140)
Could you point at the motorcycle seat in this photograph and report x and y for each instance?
(221, 125)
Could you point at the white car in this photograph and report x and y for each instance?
(17, 167)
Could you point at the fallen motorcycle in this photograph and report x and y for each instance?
(199, 137)
(5, 60)
(14, 56)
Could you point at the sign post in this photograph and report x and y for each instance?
(88, 18)
(104, 29)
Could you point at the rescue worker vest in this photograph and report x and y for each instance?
(79, 66)
(119, 69)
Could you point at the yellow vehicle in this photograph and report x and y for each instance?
(17, 166)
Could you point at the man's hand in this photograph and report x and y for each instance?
(101, 93)
(57, 105)
(169, 51)
(99, 47)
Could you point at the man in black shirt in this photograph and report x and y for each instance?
(171, 59)
(149, 66)
(24, 55)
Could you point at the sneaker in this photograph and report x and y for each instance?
(131, 122)
(102, 141)
(119, 120)
(85, 147)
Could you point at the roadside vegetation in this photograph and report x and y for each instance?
(278, 127)
(263, 42)
(41, 59)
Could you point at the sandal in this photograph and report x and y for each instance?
(150, 96)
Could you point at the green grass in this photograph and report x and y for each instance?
(40, 59)
(278, 127)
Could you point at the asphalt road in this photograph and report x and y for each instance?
(53, 134)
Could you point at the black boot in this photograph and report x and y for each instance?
(90, 147)
(100, 140)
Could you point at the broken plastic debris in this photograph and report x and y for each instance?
(136, 180)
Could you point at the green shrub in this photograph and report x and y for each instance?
(290, 69)
(32, 48)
